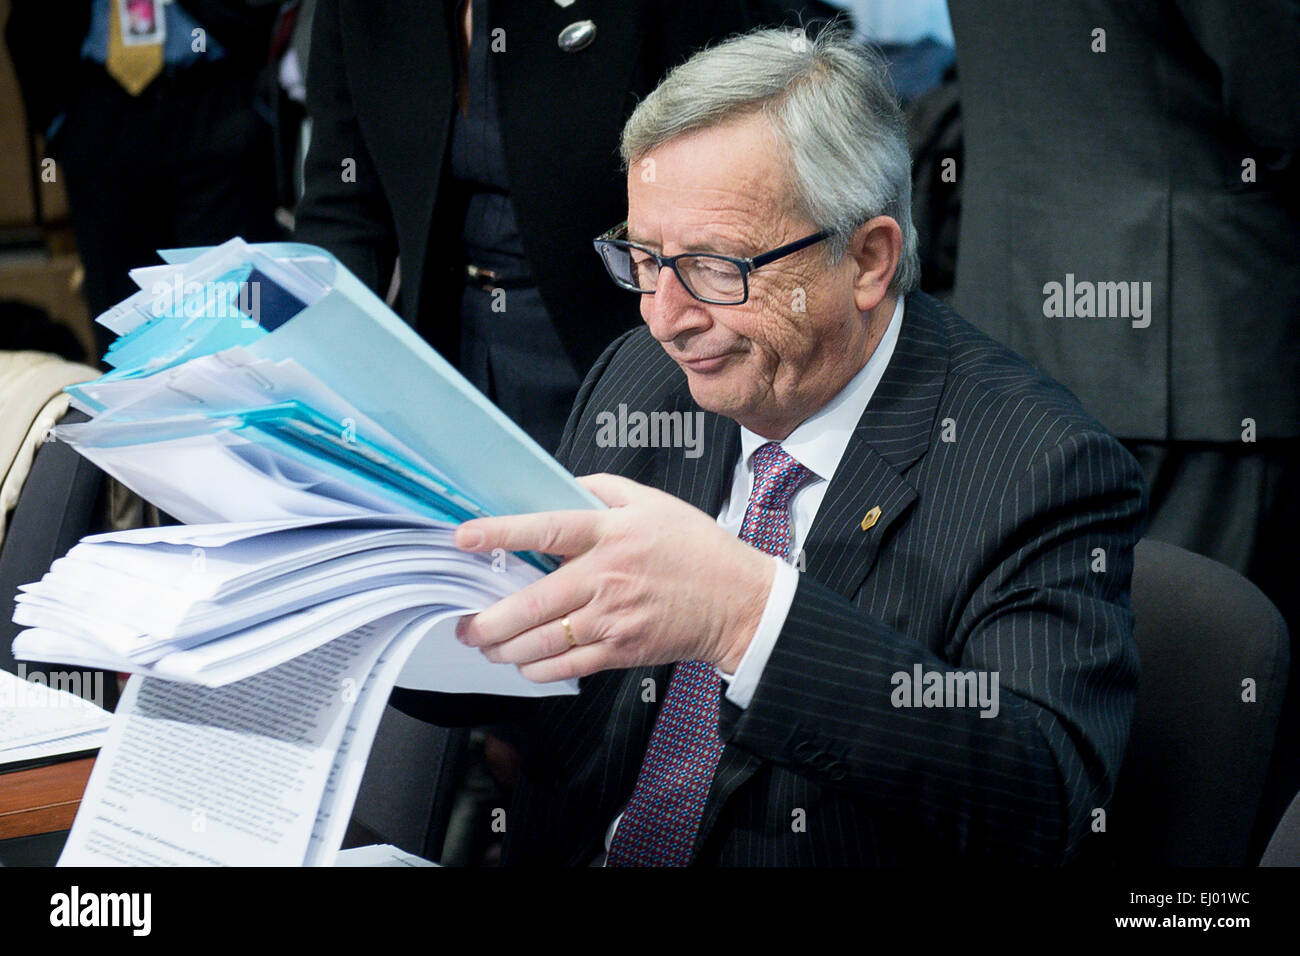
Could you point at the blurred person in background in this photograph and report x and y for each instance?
(914, 37)
(148, 109)
(1131, 225)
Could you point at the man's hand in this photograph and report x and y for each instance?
(652, 580)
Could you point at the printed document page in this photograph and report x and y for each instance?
(193, 776)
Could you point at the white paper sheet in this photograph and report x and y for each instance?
(40, 721)
(231, 776)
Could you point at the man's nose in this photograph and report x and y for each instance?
(671, 310)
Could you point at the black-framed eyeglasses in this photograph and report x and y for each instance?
(708, 276)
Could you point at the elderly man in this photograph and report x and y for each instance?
(880, 614)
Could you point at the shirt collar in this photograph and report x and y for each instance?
(819, 441)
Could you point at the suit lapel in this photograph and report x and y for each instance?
(865, 498)
(893, 433)
(869, 491)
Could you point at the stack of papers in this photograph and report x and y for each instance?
(339, 405)
(320, 455)
(215, 604)
(37, 721)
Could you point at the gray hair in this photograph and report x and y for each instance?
(829, 100)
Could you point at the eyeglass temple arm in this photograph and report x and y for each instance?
(612, 233)
(783, 251)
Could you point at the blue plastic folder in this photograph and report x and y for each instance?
(430, 443)
(356, 345)
(206, 321)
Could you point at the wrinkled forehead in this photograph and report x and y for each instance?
(723, 183)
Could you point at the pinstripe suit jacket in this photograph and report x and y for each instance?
(1000, 500)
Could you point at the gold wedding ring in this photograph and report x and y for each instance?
(568, 632)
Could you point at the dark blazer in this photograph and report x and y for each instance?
(381, 91)
(987, 556)
(1127, 166)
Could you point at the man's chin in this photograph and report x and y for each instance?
(714, 396)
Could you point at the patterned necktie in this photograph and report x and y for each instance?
(659, 826)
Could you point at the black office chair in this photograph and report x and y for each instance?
(1198, 754)
(409, 786)
(1284, 847)
(60, 502)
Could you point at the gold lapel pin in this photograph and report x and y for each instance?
(870, 518)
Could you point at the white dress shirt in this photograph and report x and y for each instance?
(818, 444)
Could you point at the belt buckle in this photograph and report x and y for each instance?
(483, 278)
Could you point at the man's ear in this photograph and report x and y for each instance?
(876, 246)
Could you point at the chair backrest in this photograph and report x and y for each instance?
(58, 505)
(1284, 847)
(408, 788)
(1214, 653)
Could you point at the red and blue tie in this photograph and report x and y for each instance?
(659, 826)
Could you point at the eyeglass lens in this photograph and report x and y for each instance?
(707, 276)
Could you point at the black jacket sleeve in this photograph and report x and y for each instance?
(343, 207)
